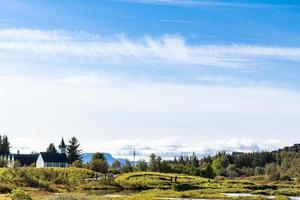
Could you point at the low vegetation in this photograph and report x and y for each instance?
(78, 185)
(49, 179)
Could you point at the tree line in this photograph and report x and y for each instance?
(274, 165)
(283, 164)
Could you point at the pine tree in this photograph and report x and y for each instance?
(4, 145)
(51, 148)
(73, 151)
(99, 156)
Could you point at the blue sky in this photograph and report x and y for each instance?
(183, 75)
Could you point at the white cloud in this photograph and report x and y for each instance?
(25, 47)
(117, 117)
(170, 147)
(85, 80)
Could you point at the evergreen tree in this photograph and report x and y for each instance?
(99, 156)
(4, 145)
(220, 164)
(116, 166)
(73, 151)
(127, 167)
(206, 170)
(154, 163)
(51, 148)
(142, 166)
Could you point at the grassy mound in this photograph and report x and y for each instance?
(192, 186)
(149, 180)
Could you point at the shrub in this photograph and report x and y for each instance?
(99, 166)
(18, 194)
(259, 171)
(273, 171)
(77, 164)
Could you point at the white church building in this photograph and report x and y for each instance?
(59, 159)
(41, 160)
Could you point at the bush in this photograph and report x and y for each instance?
(77, 164)
(99, 166)
(259, 171)
(273, 171)
(18, 194)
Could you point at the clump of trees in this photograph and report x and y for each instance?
(51, 148)
(272, 165)
(98, 163)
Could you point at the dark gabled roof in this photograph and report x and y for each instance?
(62, 144)
(25, 159)
(54, 157)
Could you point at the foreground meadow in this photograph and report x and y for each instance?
(83, 184)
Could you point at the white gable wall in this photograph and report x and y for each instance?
(40, 162)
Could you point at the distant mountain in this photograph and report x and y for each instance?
(87, 157)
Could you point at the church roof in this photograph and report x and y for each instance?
(25, 159)
(54, 157)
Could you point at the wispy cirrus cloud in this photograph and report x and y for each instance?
(58, 45)
(177, 21)
(215, 3)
